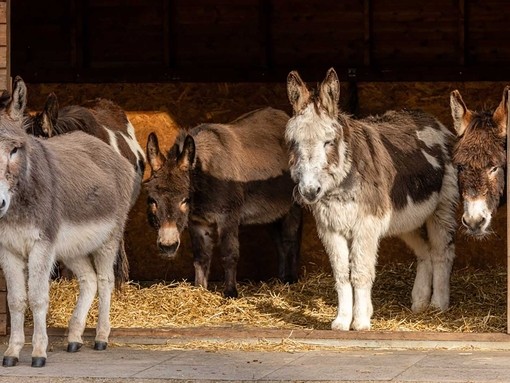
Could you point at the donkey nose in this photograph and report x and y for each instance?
(474, 224)
(2, 205)
(168, 250)
(310, 193)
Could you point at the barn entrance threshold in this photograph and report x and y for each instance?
(347, 357)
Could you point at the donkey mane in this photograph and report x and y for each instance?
(74, 118)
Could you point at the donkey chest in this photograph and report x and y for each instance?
(19, 239)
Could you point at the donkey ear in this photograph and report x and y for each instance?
(156, 158)
(500, 115)
(460, 113)
(330, 92)
(186, 158)
(50, 114)
(16, 107)
(297, 91)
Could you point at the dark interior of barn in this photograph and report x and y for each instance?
(172, 63)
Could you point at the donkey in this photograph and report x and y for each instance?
(366, 179)
(100, 118)
(65, 199)
(217, 177)
(480, 155)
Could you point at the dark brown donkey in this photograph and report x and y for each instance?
(217, 177)
(480, 155)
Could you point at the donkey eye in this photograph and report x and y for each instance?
(14, 151)
(185, 201)
(328, 143)
(152, 201)
(494, 169)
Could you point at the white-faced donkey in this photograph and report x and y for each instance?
(217, 177)
(66, 198)
(371, 178)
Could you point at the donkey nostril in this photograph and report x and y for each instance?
(464, 221)
(169, 249)
(318, 190)
(2, 205)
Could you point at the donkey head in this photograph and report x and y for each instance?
(314, 136)
(480, 156)
(169, 189)
(44, 122)
(12, 144)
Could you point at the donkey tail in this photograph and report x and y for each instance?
(121, 268)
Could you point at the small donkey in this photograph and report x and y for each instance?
(217, 177)
(367, 179)
(66, 199)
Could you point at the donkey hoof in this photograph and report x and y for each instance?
(100, 346)
(230, 293)
(74, 346)
(38, 361)
(10, 361)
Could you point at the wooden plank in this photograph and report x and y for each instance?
(3, 34)
(3, 303)
(5, 83)
(3, 286)
(367, 33)
(461, 26)
(238, 332)
(508, 216)
(4, 320)
(3, 11)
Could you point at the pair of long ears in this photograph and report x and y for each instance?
(300, 96)
(462, 116)
(184, 158)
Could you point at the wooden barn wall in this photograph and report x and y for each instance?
(259, 40)
(4, 53)
(176, 63)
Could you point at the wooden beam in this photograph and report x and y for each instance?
(265, 32)
(367, 33)
(508, 217)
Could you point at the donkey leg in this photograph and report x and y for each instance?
(86, 276)
(104, 260)
(337, 248)
(442, 253)
(40, 263)
(14, 271)
(422, 288)
(363, 260)
(202, 243)
(229, 249)
(286, 234)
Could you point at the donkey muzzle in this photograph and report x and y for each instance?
(5, 199)
(309, 194)
(168, 239)
(168, 250)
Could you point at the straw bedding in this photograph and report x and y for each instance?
(478, 302)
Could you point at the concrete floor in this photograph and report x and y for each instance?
(391, 361)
